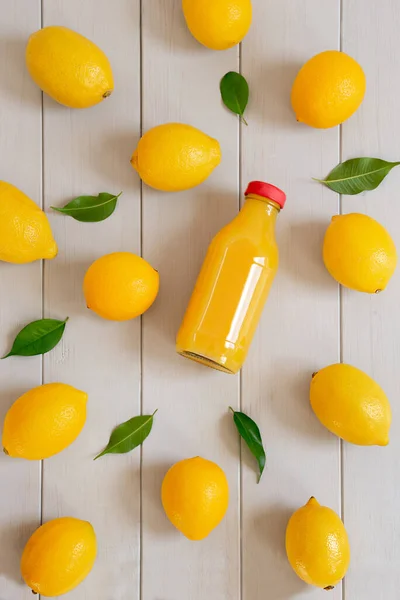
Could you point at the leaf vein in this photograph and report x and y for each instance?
(66, 209)
(359, 176)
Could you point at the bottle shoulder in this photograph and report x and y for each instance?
(242, 231)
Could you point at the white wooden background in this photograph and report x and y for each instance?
(54, 154)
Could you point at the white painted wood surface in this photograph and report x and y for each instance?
(21, 288)
(371, 325)
(162, 75)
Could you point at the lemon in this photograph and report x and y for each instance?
(69, 67)
(58, 556)
(175, 157)
(351, 404)
(25, 233)
(359, 253)
(120, 286)
(328, 89)
(317, 545)
(44, 421)
(195, 496)
(218, 24)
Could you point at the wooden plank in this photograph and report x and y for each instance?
(181, 83)
(299, 332)
(21, 285)
(371, 324)
(87, 152)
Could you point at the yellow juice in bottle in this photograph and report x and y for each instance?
(233, 284)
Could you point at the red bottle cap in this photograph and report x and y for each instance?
(266, 190)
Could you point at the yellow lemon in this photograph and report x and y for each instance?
(25, 233)
(58, 556)
(44, 421)
(351, 404)
(218, 24)
(359, 253)
(69, 67)
(328, 89)
(317, 545)
(195, 496)
(175, 157)
(120, 286)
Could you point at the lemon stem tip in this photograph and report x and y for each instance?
(107, 93)
(134, 160)
(313, 501)
(329, 587)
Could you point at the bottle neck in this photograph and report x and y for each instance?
(258, 217)
(260, 208)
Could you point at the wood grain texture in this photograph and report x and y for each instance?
(371, 324)
(299, 331)
(21, 286)
(181, 83)
(86, 152)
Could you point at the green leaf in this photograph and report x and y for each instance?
(358, 175)
(250, 432)
(128, 435)
(235, 93)
(90, 209)
(38, 337)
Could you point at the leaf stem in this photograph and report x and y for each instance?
(244, 120)
(230, 408)
(100, 455)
